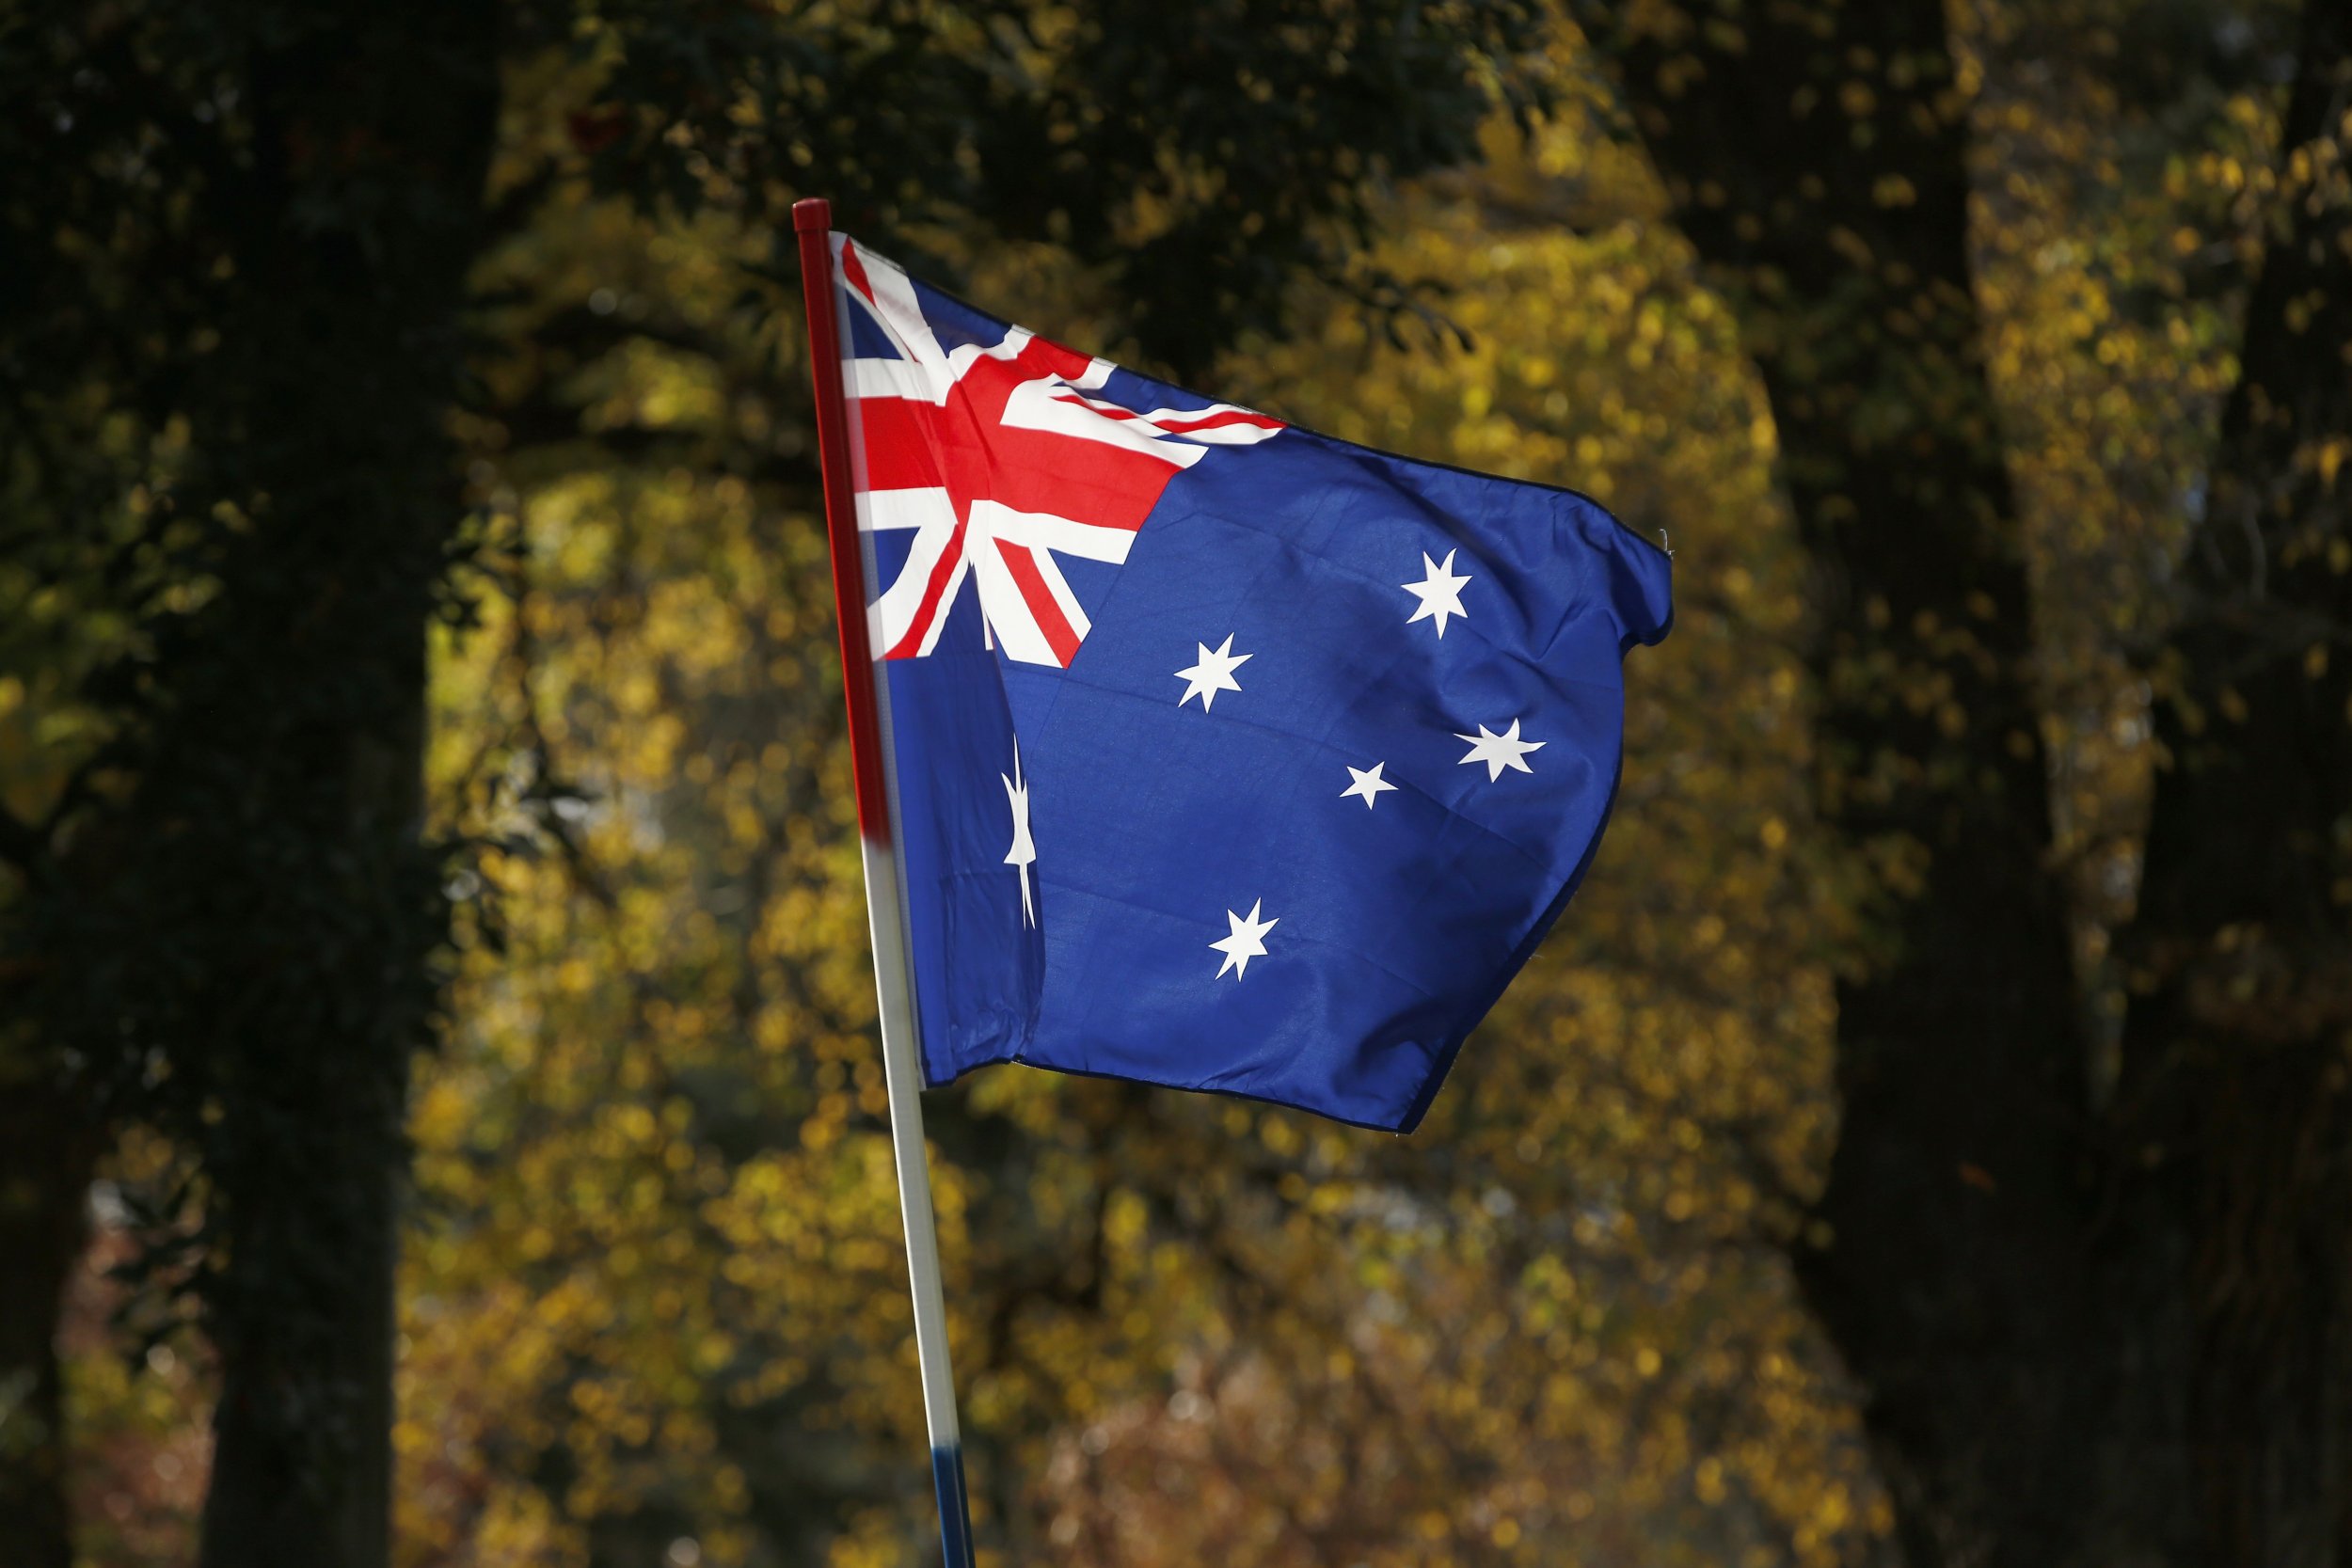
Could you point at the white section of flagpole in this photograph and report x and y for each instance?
(868, 698)
(902, 1077)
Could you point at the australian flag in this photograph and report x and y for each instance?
(1222, 754)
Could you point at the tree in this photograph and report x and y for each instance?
(2090, 1304)
(233, 341)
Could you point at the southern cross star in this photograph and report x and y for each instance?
(1024, 851)
(1369, 783)
(1439, 591)
(1246, 942)
(1498, 752)
(1212, 675)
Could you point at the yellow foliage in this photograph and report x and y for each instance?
(654, 1295)
(656, 1273)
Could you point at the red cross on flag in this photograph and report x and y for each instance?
(999, 461)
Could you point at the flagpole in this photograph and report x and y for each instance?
(893, 983)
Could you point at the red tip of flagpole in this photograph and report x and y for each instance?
(813, 217)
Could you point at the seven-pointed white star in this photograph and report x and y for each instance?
(1369, 783)
(1247, 941)
(1439, 591)
(1024, 851)
(1498, 752)
(1213, 675)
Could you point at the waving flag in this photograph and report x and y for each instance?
(1191, 747)
(1223, 754)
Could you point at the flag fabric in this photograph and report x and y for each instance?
(1223, 754)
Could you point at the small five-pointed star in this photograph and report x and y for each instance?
(1246, 942)
(1498, 752)
(1212, 675)
(1369, 783)
(1439, 591)
(1024, 851)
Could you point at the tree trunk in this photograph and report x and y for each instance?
(295, 736)
(1950, 1275)
(2083, 1336)
(47, 1152)
(2234, 1085)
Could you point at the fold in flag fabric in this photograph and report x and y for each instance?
(1222, 754)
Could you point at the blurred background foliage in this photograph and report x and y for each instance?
(1186, 1330)
(652, 1305)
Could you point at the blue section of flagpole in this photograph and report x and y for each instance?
(955, 1507)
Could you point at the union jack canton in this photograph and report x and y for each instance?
(1224, 755)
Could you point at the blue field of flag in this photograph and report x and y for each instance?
(1226, 755)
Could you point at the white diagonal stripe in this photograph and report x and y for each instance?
(1008, 614)
(1049, 571)
(889, 617)
(894, 303)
